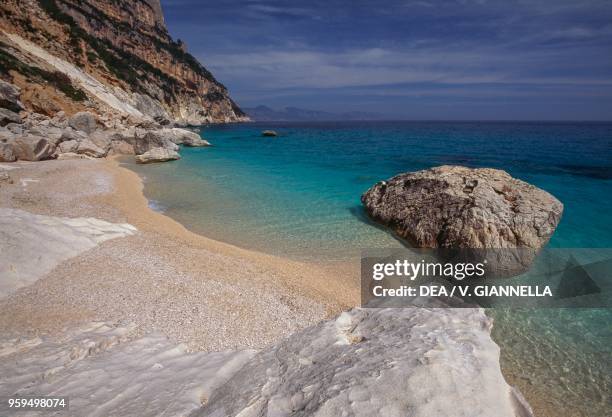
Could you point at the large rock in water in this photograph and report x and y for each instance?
(454, 207)
(185, 137)
(269, 133)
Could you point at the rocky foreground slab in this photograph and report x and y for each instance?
(366, 362)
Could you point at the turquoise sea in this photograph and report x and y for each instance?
(297, 195)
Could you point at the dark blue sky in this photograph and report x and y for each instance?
(422, 59)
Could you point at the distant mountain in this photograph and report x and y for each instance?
(266, 114)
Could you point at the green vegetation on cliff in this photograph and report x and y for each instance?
(57, 79)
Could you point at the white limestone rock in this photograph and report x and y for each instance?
(420, 362)
(31, 244)
(376, 362)
(157, 155)
(106, 373)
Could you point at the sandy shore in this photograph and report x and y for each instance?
(164, 278)
(161, 280)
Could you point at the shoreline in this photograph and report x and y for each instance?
(194, 290)
(135, 180)
(544, 407)
(130, 197)
(128, 204)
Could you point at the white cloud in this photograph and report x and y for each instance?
(276, 70)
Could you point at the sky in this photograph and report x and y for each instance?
(417, 60)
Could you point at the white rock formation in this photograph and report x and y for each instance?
(31, 245)
(105, 374)
(183, 137)
(157, 155)
(368, 362)
(377, 362)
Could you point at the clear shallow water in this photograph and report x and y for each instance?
(297, 195)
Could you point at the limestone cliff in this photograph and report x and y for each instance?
(114, 56)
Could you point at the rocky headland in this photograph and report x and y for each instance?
(29, 136)
(106, 56)
(95, 78)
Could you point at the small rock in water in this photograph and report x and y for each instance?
(269, 133)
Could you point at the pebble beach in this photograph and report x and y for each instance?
(206, 294)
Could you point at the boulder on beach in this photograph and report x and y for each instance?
(68, 146)
(269, 133)
(454, 207)
(157, 155)
(69, 134)
(32, 148)
(8, 116)
(119, 147)
(89, 148)
(6, 153)
(102, 138)
(83, 121)
(9, 97)
(151, 140)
